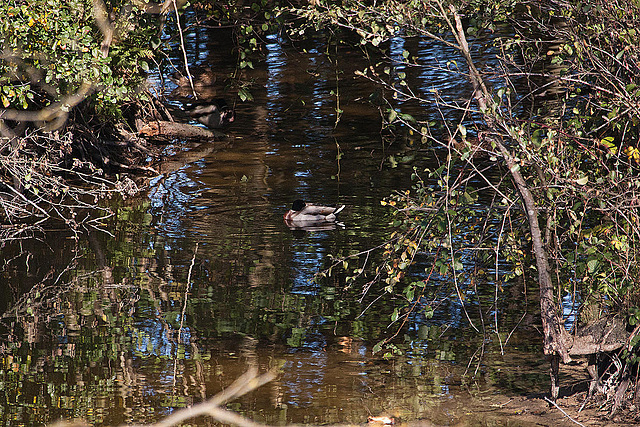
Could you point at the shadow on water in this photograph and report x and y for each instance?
(202, 276)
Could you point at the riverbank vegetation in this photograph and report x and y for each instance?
(72, 82)
(556, 168)
(538, 186)
(563, 208)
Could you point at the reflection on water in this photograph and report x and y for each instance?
(202, 276)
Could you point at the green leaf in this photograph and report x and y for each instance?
(245, 95)
(410, 293)
(408, 118)
(443, 270)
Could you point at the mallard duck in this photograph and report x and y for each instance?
(479, 148)
(213, 114)
(302, 213)
(200, 76)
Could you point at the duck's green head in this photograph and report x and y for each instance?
(298, 205)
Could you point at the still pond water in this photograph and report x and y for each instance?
(200, 277)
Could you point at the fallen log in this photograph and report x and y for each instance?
(177, 130)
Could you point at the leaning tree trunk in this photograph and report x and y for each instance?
(555, 336)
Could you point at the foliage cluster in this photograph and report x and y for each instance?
(603, 36)
(593, 146)
(52, 47)
(82, 59)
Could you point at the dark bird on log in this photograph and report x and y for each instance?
(214, 113)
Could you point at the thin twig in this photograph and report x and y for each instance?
(184, 51)
(563, 412)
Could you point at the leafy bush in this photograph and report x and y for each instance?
(52, 47)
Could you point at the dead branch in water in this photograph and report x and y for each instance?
(249, 381)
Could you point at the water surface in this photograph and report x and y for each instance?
(200, 277)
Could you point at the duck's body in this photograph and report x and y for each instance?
(213, 114)
(307, 213)
(200, 77)
(478, 148)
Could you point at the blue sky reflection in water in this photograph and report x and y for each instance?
(136, 339)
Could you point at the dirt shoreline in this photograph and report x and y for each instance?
(534, 410)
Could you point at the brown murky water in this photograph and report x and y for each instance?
(200, 277)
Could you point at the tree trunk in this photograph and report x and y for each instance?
(555, 336)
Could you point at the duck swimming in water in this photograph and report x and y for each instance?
(302, 213)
